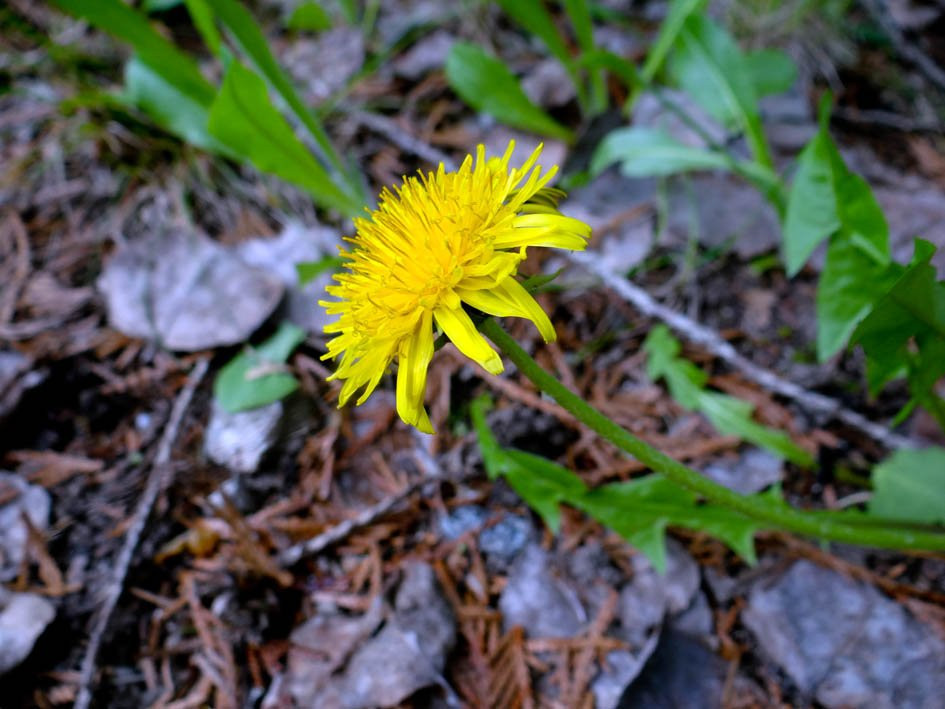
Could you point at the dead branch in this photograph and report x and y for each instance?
(705, 337)
(158, 480)
(392, 130)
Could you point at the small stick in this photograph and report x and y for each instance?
(431, 475)
(341, 530)
(389, 128)
(158, 480)
(710, 340)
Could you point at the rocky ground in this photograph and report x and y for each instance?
(301, 555)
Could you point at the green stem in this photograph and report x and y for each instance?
(772, 516)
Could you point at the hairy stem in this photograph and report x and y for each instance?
(772, 516)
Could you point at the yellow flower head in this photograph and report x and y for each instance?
(438, 241)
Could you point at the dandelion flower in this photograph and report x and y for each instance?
(439, 241)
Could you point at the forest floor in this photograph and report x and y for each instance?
(302, 555)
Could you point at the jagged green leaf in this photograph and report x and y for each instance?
(729, 415)
(543, 484)
(641, 510)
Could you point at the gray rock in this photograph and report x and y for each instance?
(611, 205)
(335, 662)
(621, 669)
(322, 645)
(696, 621)
(539, 598)
(31, 500)
(296, 244)
(682, 672)
(461, 520)
(323, 65)
(753, 471)
(844, 643)
(726, 210)
(186, 291)
(410, 651)
(238, 441)
(23, 618)
(501, 542)
(506, 538)
(548, 84)
(427, 55)
(649, 596)
(643, 604)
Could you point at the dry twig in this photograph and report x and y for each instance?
(710, 340)
(158, 479)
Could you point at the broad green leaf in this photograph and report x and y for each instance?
(825, 198)
(541, 483)
(910, 486)
(643, 152)
(729, 415)
(709, 66)
(310, 270)
(174, 66)
(812, 214)
(250, 38)
(641, 510)
(309, 16)
(770, 71)
(860, 214)
(679, 11)
(243, 118)
(254, 378)
(914, 304)
(849, 285)
(487, 85)
(171, 109)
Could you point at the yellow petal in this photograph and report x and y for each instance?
(416, 351)
(463, 333)
(510, 298)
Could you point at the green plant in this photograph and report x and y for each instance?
(237, 119)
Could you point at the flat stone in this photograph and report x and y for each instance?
(279, 256)
(23, 618)
(538, 599)
(681, 672)
(753, 471)
(339, 662)
(844, 643)
(186, 292)
(30, 500)
(238, 441)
